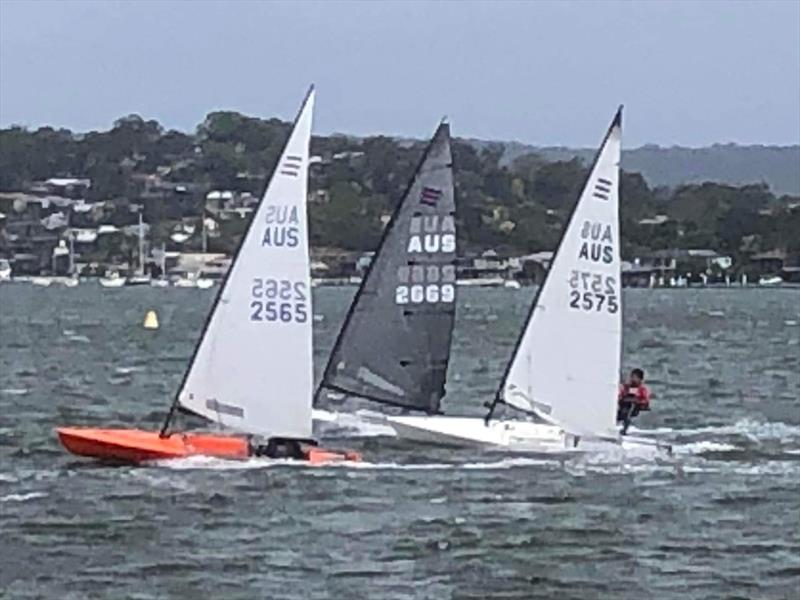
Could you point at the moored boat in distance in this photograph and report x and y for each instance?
(70, 281)
(138, 280)
(5, 270)
(770, 280)
(139, 277)
(260, 328)
(42, 281)
(193, 280)
(184, 282)
(112, 279)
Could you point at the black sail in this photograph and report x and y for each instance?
(395, 343)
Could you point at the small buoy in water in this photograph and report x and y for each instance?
(150, 320)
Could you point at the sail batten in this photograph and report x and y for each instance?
(566, 363)
(394, 345)
(252, 368)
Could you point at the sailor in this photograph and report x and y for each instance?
(634, 397)
(280, 448)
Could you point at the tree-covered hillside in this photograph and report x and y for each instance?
(731, 164)
(515, 207)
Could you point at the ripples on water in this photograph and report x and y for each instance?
(716, 520)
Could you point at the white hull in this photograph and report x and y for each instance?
(41, 281)
(512, 435)
(473, 431)
(192, 281)
(138, 280)
(67, 281)
(768, 281)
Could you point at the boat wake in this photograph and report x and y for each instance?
(743, 440)
(734, 447)
(709, 456)
(128, 370)
(15, 391)
(602, 463)
(758, 431)
(355, 425)
(22, 497)
(217, 464)
(703, 447)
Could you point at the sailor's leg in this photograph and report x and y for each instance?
(294, 450)
(626, 416)
(275, 448)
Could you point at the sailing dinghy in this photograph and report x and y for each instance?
(251, 371)
(394, 346)
(565, 367)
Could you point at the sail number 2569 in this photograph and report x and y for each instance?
(279, 300)
(593, 292)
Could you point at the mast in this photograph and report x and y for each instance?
(294, 173)
(72, 253)
(568, 229)
(205, 235)
(141, 244)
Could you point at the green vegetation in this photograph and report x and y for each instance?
(514, 208)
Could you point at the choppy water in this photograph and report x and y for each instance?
(719, 519)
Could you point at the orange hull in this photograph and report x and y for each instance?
(136, 445)
(316, 455)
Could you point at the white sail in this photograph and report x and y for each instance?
(566, 365)
(252, 369)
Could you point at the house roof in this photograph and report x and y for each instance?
(65, 181)
(769, 255)
(681, 253)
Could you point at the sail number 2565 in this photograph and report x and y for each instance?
(593, 292)
(279, 300)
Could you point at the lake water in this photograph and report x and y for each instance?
(718, 519)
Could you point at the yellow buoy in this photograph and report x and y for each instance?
(150, 320)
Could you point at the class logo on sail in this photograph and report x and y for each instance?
(430, 196)
(602, 188)
(291, 165)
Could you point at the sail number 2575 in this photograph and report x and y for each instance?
(593, 292)
(279, 300)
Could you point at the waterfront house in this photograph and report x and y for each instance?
(768, 263)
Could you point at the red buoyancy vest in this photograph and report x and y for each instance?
(641, 395)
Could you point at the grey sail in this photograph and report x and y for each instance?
(395, 343)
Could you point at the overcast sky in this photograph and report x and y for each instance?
(689, 73)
